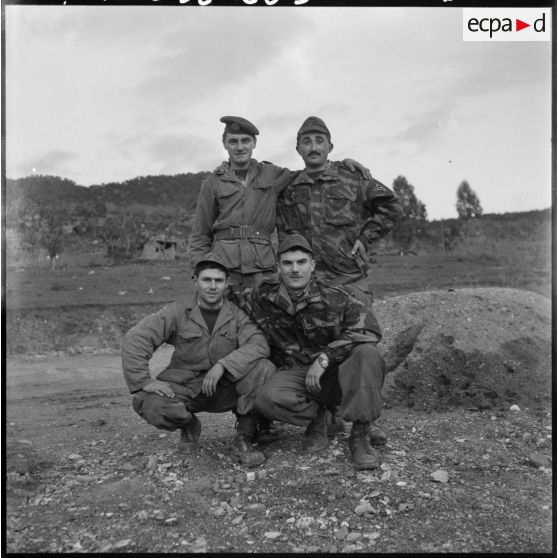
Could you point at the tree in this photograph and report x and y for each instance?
(468, 204)
(47, 230)
(413, 220)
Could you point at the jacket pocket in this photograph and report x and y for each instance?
(321, 330)
(293, 208)
(226, 189)
(338, 208)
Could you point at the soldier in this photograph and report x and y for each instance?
(323, 342)
(336, 210)
(341, 215)
(216, 349)
(236, 213)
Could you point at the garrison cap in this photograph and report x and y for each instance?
(211, 259)
(239, 125)
(314, 124)
(294, 241)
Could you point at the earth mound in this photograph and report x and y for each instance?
(484, 348)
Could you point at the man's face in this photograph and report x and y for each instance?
(239, 148)
(314, 148)
(295, 269)
(210, 285)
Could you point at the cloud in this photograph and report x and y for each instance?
(53, 162)
(220, 49)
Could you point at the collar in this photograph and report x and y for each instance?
(225, 169)
(193, 312)
(282, 298)
(329, 173)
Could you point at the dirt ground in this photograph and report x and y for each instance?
(86, 474)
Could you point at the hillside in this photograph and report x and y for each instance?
(148, 191)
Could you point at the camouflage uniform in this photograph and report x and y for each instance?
(235, 220)
(236, 342)
(324, 320)
(332, 212)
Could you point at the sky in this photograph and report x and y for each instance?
(100, 94)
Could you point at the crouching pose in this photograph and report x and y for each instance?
(323, 342)
(219, 361)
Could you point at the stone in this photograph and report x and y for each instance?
(352, 537)
(341, 534)
(440, 476)
(364, 508)
(539, 460)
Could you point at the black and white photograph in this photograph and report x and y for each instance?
(278, 277)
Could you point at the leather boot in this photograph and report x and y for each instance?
(364, 457)
(241, 447)
(315, 437)
(376, 435)
(190, 435)
(338, 426)
(266, 432)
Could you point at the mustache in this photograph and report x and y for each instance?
(314, 153)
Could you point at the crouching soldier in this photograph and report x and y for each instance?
(323, 342)
(218, 362)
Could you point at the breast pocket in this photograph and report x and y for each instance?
(189, 347)
(320, 331)
(293, 209)
(339, 200)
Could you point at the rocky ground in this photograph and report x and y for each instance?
(468, 465)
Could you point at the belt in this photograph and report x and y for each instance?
(244, 231)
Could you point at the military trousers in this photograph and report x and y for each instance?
(170, 413)
(355, 386)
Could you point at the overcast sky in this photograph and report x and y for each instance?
(100, 94)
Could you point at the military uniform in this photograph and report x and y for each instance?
(236, 342)
(235, 219)
(323, 320)
(334, 211)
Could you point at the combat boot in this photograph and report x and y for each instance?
(315, 437)
(190, 435)
(364, 457)
(337, 426)
(266, 431)
(241, 447)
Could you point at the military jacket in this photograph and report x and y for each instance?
(236, 342)
(324, 319)
(235, 219)
(334, 211)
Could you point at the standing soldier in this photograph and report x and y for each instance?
(338, 211)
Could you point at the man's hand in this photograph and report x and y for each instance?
(353, 166)
(313, 376)
(159, 387)
(210, 380)
(358, 246)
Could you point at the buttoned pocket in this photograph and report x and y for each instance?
(293, 208)
(338, 208)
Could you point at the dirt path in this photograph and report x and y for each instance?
(86, 474)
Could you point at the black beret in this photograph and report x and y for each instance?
(294, 241)
(314, 124)
(239, 125)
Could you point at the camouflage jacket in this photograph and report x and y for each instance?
(235, 219)
(334, 211)
(324, 319)
(236, 342)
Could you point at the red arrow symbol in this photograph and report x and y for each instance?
(519, 25)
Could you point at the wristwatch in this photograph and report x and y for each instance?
(323, 360)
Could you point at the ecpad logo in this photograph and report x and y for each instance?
(507, 24)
